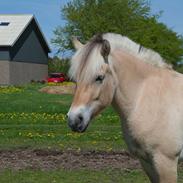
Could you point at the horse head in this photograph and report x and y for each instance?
(95, 84)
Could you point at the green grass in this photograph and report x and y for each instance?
(32, 119)
(76, 176)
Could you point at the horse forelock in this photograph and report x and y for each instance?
(87, 61)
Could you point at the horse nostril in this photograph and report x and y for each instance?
(80, 117)
(76, 122)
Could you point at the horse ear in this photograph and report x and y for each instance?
(105, 50)
(77, 44)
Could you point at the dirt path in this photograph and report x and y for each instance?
(53, 159)
(62, 89)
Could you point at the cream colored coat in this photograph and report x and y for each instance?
(147, 95)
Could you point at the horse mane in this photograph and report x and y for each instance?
(91, 51)
(118, 41)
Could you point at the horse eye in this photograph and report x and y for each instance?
(99, 78)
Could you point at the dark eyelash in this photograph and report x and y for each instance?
(99, 78)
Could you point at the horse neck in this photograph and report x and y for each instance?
(130, 73)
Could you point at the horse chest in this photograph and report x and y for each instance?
(133, 145)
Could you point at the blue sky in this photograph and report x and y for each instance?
(172, 13)
(48, 14)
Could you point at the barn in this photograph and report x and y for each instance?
(23, 50)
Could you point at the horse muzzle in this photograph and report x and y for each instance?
(78, 120)
(77, 124)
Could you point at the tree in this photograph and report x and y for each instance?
(132, 18)
(56, 64)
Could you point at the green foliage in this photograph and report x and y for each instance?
(131, 18)
(179, 66)
(56, 64)
(180, 69)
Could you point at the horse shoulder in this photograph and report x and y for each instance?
(157, 114)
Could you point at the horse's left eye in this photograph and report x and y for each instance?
(99, 78)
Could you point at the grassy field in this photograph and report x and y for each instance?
(34, 120)
(79, 176)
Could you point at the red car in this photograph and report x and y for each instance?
(56, 78)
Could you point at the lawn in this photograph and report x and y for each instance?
(30, 119)
(78, 176)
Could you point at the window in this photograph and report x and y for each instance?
(4, 23)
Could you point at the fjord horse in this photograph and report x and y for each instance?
(144, 90)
